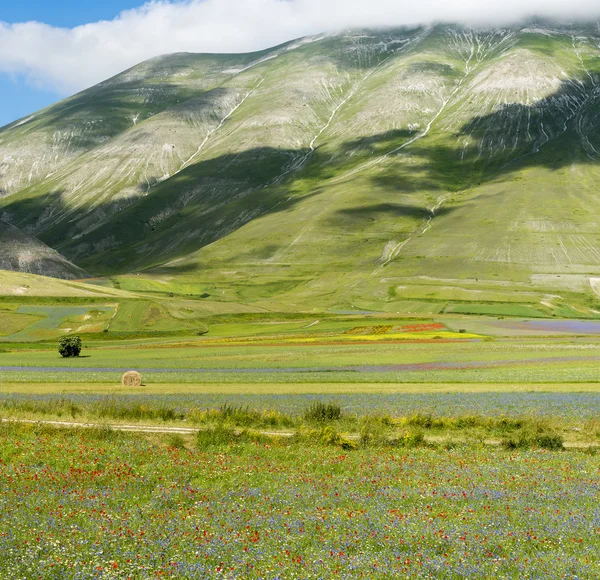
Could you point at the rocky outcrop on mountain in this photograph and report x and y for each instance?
(24, 253)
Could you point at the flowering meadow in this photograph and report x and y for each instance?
(99, 504)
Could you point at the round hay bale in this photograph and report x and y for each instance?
(132, 379)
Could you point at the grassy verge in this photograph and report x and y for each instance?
(320, 421)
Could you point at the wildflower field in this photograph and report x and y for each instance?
(324, 453)
(99, 504)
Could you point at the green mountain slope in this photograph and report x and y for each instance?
(369, 169)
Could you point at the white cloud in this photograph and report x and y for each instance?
(67, 60)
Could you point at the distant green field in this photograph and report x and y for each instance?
(203, 361)
(13, 322)
(520, 310)
(48, 322)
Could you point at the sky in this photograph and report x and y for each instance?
(20, 95)
(50, 49)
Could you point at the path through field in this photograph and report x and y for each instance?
(129, 428)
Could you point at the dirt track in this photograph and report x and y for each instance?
(129, 428)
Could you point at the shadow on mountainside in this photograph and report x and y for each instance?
(394, 209)
(100, 112)
(552, 133)
(213, 198)
(194, 208)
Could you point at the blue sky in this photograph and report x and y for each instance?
(18, 98)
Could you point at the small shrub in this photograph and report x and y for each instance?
(176, 441)
(222, 435)
(408, 439)
(537, 436)
(215, 437)
(70, 346)
(373, 431)
(323, 412)
(424, 421)
(515, 442)
(507, 424)
(412, 439)
(347, 444)
(169, 414)
(237, 414)
(552, 441)
(470, 421)
(329, 436)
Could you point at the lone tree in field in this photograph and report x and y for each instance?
(69, 346)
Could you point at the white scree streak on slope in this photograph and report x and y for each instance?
(391, 251)
(575, 113)
(427, 129)
(298, 166)
(595, 284)
(416, 40)
(210, 133)
(237, 71)
(590, 150)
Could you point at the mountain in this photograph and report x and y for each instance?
(366, 169)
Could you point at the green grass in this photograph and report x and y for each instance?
(520, 310)
(206, 353)
(50, 322)
(12, 322)
(27, 288)
(515, 419)
(343, 351)
(145, 316)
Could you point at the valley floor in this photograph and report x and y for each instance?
(270, 445)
